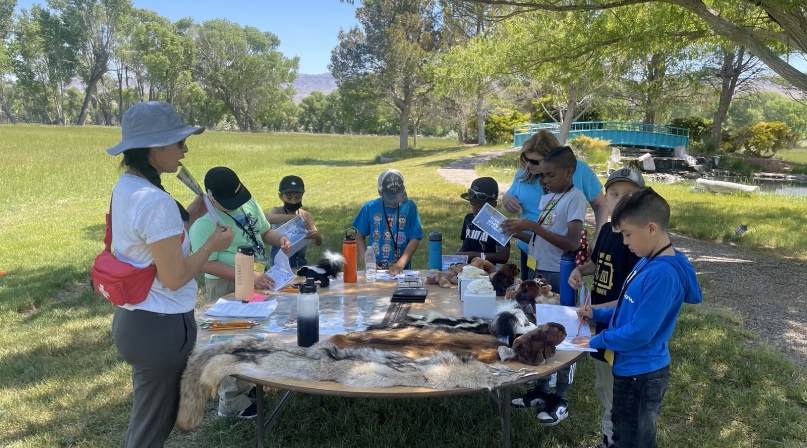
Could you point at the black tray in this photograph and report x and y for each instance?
(417, 295)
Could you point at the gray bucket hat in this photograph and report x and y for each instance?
(151, 124)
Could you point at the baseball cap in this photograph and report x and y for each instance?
(482, 189)
(226, 188)
(391, 186)
(291, 184)
(626, 175)
(151, 124)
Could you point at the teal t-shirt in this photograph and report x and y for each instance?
(250, 217)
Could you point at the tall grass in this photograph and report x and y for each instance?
(63, 383)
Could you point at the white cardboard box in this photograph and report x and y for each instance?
(462, 285)
(479, 305)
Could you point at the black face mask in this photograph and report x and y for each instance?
(292, 207)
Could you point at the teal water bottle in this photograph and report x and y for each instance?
(436, 250)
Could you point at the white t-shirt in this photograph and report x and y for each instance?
(559, 209)
(141, 215)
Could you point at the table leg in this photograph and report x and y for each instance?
(260, 425)
(500, 399)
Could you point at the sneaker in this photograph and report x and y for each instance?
(603, 444)
(250, 412)
(532, 399)
(555, 410)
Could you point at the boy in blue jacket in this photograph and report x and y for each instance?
(643, 320)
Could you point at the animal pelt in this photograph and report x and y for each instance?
(436, 320)
(535, 347)
(545, 295)
(444, 279)
(329, 266)
(484, 265)
(525, 296)
(504, 278)
(424, 341)
(509, 322)
(323, 361)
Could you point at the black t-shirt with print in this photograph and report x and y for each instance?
(476, 240)
(614, 261)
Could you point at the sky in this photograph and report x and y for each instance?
(306, 28)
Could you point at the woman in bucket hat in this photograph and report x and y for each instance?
(156, 335)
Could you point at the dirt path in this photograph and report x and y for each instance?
(765, 290)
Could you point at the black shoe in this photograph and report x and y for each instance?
(534, 398)
(555, 410)
(250, 412)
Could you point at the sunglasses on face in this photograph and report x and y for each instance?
(478, 196)
(533, 162)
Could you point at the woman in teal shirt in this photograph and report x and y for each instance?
(525, 193)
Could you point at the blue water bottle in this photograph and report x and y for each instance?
(567, 297)
(436, 250)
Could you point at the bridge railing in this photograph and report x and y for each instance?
(603, 125)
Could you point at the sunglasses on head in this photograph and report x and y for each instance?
(479, 196)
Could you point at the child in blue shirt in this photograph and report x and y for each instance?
(644, 318)
(610, 263)
(562, 211)
(392, 224)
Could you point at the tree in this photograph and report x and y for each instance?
(787, 19)
(243, 68)
(311, 109)
(6, 15)
(388, 52)
(98, 23)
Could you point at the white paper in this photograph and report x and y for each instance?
(566, 316)
(280, 271)
(384, 275)
(187, 178)
(490, 220)
(235, 308)
(211, 210)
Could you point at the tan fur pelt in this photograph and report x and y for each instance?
(324, 361)
(420, 342)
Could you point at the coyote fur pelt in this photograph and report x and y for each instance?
(324, 361)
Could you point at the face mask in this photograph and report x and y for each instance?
(292, 207)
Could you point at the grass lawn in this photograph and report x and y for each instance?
(63, 383)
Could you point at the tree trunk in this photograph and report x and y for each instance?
(480, 120)
(7, 112)
(95, 76)
(729, 76)
(120, 96)
(415, 127)
(403, 141)
(568, 115)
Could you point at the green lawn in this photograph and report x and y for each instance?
(63, 383)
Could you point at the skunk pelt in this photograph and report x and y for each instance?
(436, 320)
(328, 267)
(509, 322)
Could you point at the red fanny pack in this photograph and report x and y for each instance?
(119, 282)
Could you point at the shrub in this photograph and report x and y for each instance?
(764, 139)
(499, 124)
(593, 150)
(699, 128)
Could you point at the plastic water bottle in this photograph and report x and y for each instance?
(436, 251)
(369, 265)
(307, 314)
(567, 296)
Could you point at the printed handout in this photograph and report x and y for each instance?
(566, 316)
(489, 220)
(281, 272)
(236, 308)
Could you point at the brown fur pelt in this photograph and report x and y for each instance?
(535, 347)
(323, 361)
(419, 342)
(484, 265)
(504, 278)
(525, 297)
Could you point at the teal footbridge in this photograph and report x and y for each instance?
(619, 133)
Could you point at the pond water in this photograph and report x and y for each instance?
(769, 186)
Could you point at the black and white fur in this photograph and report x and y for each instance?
(329, 266)
(510, 322)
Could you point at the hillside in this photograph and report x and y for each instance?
(305, 84)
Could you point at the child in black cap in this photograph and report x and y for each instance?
(476, 242)
(291, 192)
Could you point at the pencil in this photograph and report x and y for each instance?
(585, 304)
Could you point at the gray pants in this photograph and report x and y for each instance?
(604, 388)
(233, 393)
(564, 377)
(157, 346)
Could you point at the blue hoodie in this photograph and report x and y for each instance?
(648, 313)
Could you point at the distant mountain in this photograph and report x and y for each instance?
(305, 84)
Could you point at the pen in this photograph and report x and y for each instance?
(585, 304)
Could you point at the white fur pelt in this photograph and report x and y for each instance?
(359, 367)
